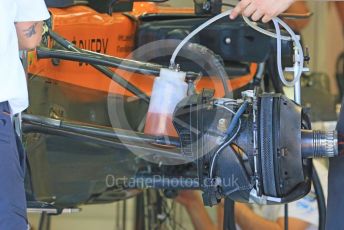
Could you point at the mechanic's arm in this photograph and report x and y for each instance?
(248, 220)
(195, 207)
(29, 34)
(265, 9)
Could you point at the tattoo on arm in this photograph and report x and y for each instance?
(29, 32)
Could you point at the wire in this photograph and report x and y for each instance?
(194, 32)
(279, 37)
(236, 118)
(221, 148)
(286, 217)
(260, 71)
(320, 198)
(229, 214)
(299, 57)
(254, 26)
(279, 53)
(230, 101)
(226, 108)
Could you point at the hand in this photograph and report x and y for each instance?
(187, 198)
(191, 200)
(257, 9)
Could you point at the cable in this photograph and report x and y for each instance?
(229, 215)
(320, 198)
(299, 57)
(286, 217)
(233, 103)
(194, 32)
(226, 108)
(340, 74)
(236, 118)
(260, 71)
(221, 148)
(279, 54)
(279, 37)
(254, 26)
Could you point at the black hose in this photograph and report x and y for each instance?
(340, 74)
(235, 119)
(286, 217)
(229, 216)
(273, 72)
(340, 63)
(320, 198)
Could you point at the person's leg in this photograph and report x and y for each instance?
(12, 192)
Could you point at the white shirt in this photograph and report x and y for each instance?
(305, 209)
(13, 86)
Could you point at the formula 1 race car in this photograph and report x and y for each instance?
(90, 84)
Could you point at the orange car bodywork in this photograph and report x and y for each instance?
(113, 35)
